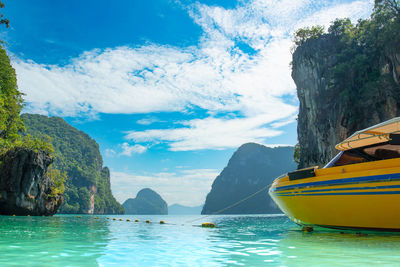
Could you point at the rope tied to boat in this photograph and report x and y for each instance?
(209, 225)
(232, 205)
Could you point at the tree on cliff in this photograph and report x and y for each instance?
(386, 17)
(388, 5)
(359, 50)
(350, 77)
(11, 101)
(3, 20)
(10, 98)
(304, 34)
(11, 124)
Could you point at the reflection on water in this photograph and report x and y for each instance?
(277, 241)
(238, 240)
(50, 241)
(346, 249)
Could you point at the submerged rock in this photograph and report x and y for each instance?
(146, 202)
(25, 189)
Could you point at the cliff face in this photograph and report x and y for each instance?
(250, 168)
(87, 188)
(24, 187)
(146, 202)
(325, 118)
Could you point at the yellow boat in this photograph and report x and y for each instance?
(357, 189)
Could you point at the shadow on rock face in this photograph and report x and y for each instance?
(25, 188)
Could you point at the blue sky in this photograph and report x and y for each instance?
(168, 88)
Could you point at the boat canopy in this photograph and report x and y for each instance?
(380, 133)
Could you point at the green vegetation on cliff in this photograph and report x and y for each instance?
(12, 143)
(11, 104)
(10, 101)
(75, 153)
(360, 50)
(347, 79)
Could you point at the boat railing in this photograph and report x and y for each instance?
(281, 176)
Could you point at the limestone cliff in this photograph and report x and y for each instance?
(87, 188)
(325, 117)
(251, 167)
(25, 189)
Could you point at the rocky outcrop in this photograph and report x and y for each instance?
(25, 188)
(146, 202)
(252, 167)
(325, 119)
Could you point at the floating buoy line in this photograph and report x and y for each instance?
(205, 224)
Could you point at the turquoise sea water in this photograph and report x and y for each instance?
(66, 240)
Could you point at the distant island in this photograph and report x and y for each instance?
(147, 202)
(177, 209)
(251, 167)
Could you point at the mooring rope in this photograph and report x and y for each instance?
(231, 206)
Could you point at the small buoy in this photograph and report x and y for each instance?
(108, 218)
(136, 220)
(14, 215)
(78, 216)
(114, 219)
(147, 221)
(360, 234)
(128, 220)
(162, 222)
(307, 229)
(120, 219)
(209, 225)
(28, 215)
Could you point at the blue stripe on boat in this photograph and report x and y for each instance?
(354, 180)
(354, 188)
(344, 189)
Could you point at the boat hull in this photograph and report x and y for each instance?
(358, 196)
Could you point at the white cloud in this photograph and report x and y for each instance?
(215, 75)
(148, 120)
(110, 152)
(128, 150)
(212, 133)
(354, 10)
(284, 122)
(169, 185)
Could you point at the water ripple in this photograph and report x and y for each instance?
(237, 240)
